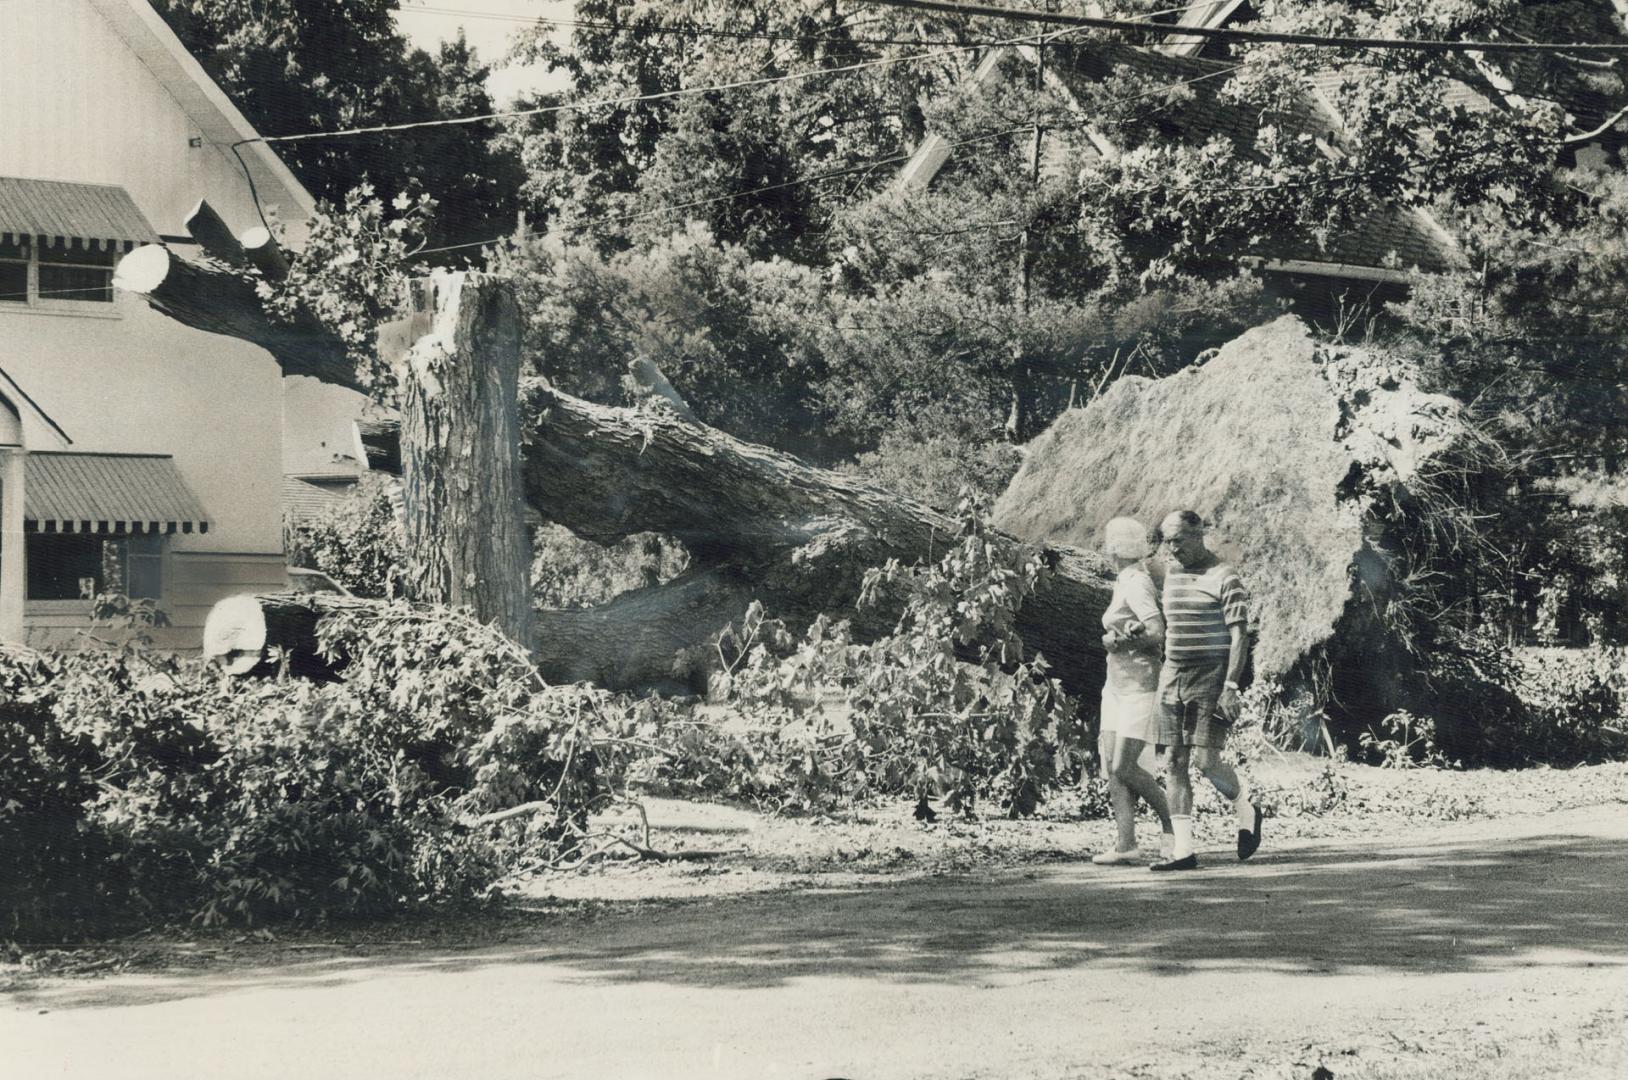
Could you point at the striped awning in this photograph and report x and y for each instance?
(69, 492)
(60, 213)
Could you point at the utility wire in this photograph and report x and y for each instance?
(630, 99)
(955, 7)
(833, 174)
(703, 30)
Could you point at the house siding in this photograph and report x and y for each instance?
(120, 378)
(80, 106)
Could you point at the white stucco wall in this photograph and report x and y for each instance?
(143, 384)
(82, 103)
(80, 106)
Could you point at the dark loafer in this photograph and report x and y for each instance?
(1186, 862)
(1249, 840)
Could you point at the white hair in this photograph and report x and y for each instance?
(1126, 538)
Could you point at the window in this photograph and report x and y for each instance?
(75, 566)
(32, 273)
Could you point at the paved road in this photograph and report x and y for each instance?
(1064, 970)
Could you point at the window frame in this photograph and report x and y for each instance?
(41, 302)
(154, 558)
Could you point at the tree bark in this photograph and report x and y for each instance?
(797, 537)
(801, 537)
(209, 295)
(466, 539)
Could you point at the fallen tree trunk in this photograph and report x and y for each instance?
(630, 642)
(796, 537)
(210, 295)
(257, 634)
(800, 537)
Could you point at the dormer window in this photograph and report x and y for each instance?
(67, 272)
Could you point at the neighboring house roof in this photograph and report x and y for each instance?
(1380, 246)
(303, 501)
(1402, 236)
(56, 209)
(1207, 14)
(157, 47)
(75, 492)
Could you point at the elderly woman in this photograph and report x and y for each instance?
(1134, 640)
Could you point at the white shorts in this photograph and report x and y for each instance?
(1131, 715)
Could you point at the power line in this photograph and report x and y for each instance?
(835, 173)
(955, 7)
(630, 99)
(708, 31)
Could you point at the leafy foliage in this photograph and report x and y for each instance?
(295, 66)
(143, 787)
(567, 572)
(946, 703)
(357, 541)
(352, 276)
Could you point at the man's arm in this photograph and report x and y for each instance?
(1235, 610)
(1230, 702)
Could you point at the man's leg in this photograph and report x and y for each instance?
(1218, 772)
(1181, 811)
(1235, 790)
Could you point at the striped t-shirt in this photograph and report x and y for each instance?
(1199, 605)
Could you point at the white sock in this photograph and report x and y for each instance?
(1182, 826)
(1243, 807)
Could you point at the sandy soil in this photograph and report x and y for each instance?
(1448, 946)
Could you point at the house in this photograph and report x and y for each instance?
(139, 456)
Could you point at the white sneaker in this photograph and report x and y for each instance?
(1115, 858)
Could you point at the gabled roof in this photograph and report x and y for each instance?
(157, 47)
(1395, 234)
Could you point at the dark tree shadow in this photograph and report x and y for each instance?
(1539, 902)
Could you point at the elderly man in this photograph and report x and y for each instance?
(1206, 613)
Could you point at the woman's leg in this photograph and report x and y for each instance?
(1136, 780)
(1123, 802)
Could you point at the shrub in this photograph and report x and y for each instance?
(1404, 741)
(142, 787)
(358, 541)
(945, 703)
(936, 466)
(1573, 702)
(569, 572)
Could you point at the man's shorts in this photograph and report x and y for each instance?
(1188, 697)
(1129, 714)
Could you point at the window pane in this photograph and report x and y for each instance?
(77, 255)
(14, 282)
(144, 559)
(59, 562)
(75, 283)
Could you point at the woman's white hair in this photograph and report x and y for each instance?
(1126, 538)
